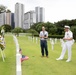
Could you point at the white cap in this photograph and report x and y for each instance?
(67, 27)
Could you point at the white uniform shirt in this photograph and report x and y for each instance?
(68, 34)
(42, 34)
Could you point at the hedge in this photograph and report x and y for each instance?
(52, 36)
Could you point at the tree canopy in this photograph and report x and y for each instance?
(50, 27)
(2, 8)
(6, 27)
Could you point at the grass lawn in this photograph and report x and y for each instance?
(36, 65)
(8, 67)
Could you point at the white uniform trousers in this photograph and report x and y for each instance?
(67, 46)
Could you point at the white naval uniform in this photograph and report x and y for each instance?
(67, 46)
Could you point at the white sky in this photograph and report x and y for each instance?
(55, 10)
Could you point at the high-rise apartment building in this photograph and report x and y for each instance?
(19, 15)
(29, 19)
(12, 20)
(8, 18)
(2, 19)
(39, 14)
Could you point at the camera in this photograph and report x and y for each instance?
(44, 35)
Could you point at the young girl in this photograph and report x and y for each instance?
(23, 56)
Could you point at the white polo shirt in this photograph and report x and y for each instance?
(42, 34)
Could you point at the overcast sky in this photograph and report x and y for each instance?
(55, 10)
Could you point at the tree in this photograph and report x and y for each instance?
(73, 28)
(8, 11)
(60, 26)
(50, 27)
(37, 26)
(17, 31)
(33, 32)
(2, 8)
(7, 27)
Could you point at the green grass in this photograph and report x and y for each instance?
(36, 65)
(8, 67)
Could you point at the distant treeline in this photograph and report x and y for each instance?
(56, 28)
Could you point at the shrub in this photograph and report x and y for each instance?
(56, 36)
(51, 36)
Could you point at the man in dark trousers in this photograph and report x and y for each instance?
(43, 41)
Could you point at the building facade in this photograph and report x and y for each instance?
(19, 15)
(29, 19)
(12, 20)
(2, 19)
(8, 18)
(40, 16)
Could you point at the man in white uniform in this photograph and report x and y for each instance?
(68, 38)
(43, 41)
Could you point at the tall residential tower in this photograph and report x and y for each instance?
(40, 16)
(2, 19)
(8, 18)
(29, 19)
(19, 15)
